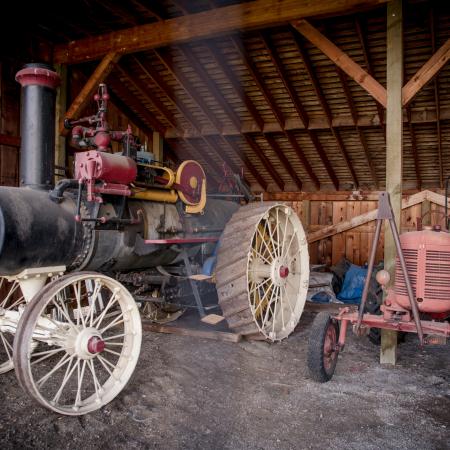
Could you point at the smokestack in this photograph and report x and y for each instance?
(37, 125)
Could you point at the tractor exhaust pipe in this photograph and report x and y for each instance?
(37, 125)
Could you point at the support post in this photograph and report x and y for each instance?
(157, 146)
(394, 152)
(60, 111)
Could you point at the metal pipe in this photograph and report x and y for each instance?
(37, 125)
(369, 273)
(57, 194)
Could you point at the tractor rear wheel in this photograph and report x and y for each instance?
(323, 347)
(263, 271)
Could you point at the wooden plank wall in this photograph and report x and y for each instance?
(356, 243)
(9, 124)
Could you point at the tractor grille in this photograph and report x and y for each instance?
(437, 284)
(411, 265)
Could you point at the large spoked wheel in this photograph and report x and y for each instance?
(263, 271)
(77, 343)
(10, 299)
(323, 347)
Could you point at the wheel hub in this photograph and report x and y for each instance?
(279, 272)
(88, 343)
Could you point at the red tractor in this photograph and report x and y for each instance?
(418, 303)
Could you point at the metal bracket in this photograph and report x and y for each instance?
(198, 300)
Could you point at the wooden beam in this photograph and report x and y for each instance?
(437, 102)
(85, 96)
(210, 84)
(256, 14)
(362, 219)
(11, 141)
(354, 115)
(414, 151)
(267, 164)
(259, 178)
(141, 87)
(342, 60)
(303, 159)
(222, 63)
(328, 117)
(394, 152)
(368, 62)
(426, 73)
(303, 116)
(258, 80)
(422, 116)
(284, 161)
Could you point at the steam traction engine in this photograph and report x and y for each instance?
(82, 260)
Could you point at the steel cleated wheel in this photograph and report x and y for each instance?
(263, 271)
(11, 299)
(323, 347)
(77, 343)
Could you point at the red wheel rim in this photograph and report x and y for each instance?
(329, 347)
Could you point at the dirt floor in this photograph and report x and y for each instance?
(195, 393)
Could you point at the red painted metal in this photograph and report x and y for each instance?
(330, 349)
(111, 168)
(427, 255)
(284, 271)
(96, 345)
(38, 76)
(199, 240)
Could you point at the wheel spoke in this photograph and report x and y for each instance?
(117, 336)
(10, 293)
(290, 243)
(62, 362)
(260, 285)
(47, 353)
(94, 296)
(112, 352)
(80, 383)
(97, 385)
(265, 244)
(287, 299)
(6, 344)
(69, 371)
(100, 318)
(113, 323)
(64, 313)
(268, 308)
(261, 301)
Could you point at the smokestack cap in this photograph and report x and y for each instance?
(38, 75)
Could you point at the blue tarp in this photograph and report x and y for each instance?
(353, 286)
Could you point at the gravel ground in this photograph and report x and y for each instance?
(194, 393)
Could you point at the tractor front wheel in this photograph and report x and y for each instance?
(323, 347)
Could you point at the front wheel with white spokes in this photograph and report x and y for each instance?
(263, 271)
(11, 298)
(77, 343)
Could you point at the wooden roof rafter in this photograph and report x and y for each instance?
(188, 87)
(342, 60)
(326, 109)
(354, 115)
(267, 164)
(368, 63)
(437, 102)
(276, 61)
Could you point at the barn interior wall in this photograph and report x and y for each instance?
(356, 243)
(9, 123)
